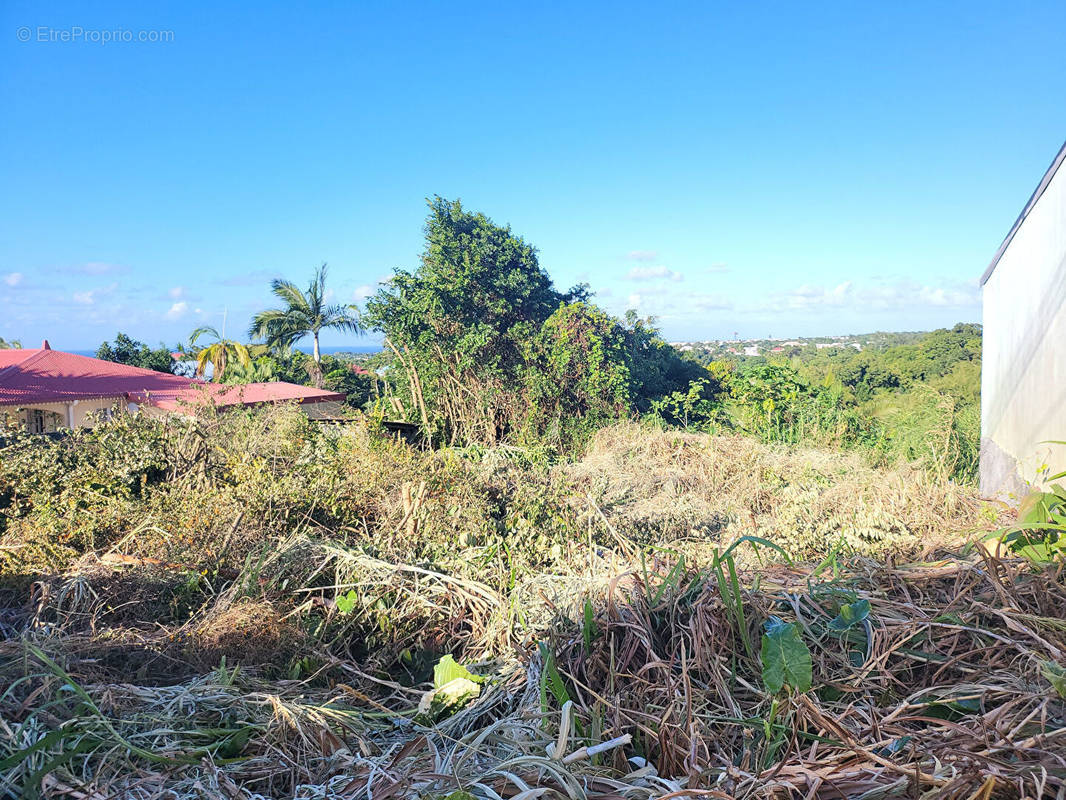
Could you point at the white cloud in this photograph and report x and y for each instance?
(361, 293)
(90, 296)
(642, 255)
(653, 273)
(717, 269)
(13, 278)
(881, 297)
(177, 311)
(676, 304)
(178, 292)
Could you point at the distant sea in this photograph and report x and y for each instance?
(351, 348)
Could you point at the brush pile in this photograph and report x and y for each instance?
(253, 607)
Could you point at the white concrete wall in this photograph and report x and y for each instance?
(1023, 371)
(85, 413)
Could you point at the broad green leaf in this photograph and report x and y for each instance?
(447, 699)
(448, 670)
(346, 602)
(850, 614)
(785, 658)
(1055, 674)
(1033, 508)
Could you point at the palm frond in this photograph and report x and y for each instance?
(289, 294)
(342, 317)
(203, 358)
(304, 313)
(244, 356)
(204, 330)
(266, 322)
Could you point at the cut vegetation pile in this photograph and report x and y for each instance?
(252, 606)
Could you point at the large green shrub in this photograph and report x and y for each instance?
(485, 349)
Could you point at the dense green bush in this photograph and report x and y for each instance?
(125, 350)
(936, 423)
(484, 349)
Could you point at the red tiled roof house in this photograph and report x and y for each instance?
(45, 390)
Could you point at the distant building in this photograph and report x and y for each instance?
(44, 390)
(1023, 370)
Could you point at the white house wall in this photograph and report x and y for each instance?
(83, 413)
(1023, 384)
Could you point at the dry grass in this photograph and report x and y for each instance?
(267, 626)
(944, 696)
(695, 486)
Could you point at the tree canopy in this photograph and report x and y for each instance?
(485, 346)
(305, 313)
(125, 350)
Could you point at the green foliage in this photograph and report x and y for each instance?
(589, 631)
(448, 670)
(478, 293)
(125, 350)
(551, 682)
(786, 660)
(930, 427)
(850, 614)
(344, 376)
(80, 491)
(1055, 674)
(261, 370)
(457, 325)
(453, 687)
(220, 354)
(776, 403)
(1040, 535)
(304, 314)
(485, 349)
(335, 374)
(917, 401)
(576, 371)
(346, 602)
(694, 407)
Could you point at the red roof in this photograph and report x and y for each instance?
(52, 376)
(245, 394)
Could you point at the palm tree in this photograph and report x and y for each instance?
(14, 344)
(261, 370)
(218, 353)
(304, 313)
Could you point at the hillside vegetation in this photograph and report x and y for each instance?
(256, 604)
(604, 572)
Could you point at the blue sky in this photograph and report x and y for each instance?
(771, 168)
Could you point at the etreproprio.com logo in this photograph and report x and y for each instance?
(76, 33)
